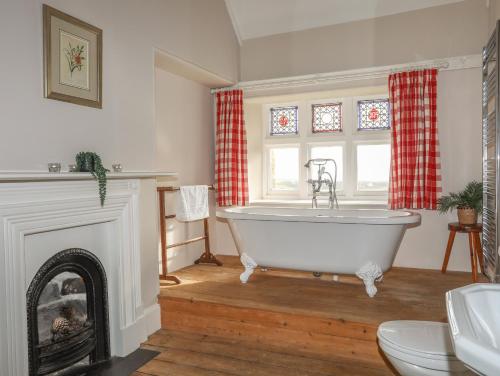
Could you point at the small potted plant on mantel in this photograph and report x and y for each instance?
(91, 162)
(468, 202)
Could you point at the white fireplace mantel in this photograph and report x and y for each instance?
(44, 213)
(27, 176)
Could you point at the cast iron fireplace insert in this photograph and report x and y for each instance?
(67, 311)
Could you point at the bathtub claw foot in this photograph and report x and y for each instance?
(249, 265)
(370, 273)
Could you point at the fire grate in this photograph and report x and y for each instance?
(67, 313)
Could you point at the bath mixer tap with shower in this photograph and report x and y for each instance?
(330, 181)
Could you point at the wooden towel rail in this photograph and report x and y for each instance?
(206, 258)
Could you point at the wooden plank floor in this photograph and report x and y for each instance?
(212, 321)
(186, 354)
(413, 294)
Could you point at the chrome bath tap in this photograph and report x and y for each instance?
(324, 177)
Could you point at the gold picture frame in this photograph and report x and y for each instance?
(72, 57)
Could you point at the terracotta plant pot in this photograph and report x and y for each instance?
(467, 216)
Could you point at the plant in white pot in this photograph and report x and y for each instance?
(468, 202)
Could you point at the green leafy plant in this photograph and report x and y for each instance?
(91, 162)
(470, 197)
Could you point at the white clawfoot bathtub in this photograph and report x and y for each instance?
(360, 241)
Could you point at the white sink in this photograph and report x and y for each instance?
(474, 317)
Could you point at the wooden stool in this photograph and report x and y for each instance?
(476, 252)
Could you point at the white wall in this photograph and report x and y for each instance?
(254, 123)
(450, 30)
(185, 143)
(494, 14)
(35, 130)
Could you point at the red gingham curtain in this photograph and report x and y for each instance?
(415, 181)
(231, 150)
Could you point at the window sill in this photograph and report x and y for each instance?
(343, 204)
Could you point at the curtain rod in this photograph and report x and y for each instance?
(453, 63)
(442, 65)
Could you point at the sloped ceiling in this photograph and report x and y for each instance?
(258, 18)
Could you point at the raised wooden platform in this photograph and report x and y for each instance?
(294, 313)
(187, 354)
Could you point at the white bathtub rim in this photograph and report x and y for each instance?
(397, 217)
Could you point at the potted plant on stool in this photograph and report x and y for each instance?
(469, 203)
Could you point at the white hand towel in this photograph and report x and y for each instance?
(192, 203)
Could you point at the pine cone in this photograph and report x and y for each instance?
(60, 326)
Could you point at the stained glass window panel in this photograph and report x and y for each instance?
(374, 115)
(284, 121)
(327, 118)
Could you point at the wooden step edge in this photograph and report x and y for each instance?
(296, 340)
(167, 341)
(270, 319)
(237, 306)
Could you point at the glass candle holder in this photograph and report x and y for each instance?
(54, 167)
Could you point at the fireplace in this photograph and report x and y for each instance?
(67, 314)
(40, 219)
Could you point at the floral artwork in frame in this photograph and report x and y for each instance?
(72, 59)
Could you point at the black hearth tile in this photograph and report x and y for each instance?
(124, 366)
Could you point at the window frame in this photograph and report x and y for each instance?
(349, 137)
(356, 143)
(268, 191)
(342, 143)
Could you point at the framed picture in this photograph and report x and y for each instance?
(72, 53)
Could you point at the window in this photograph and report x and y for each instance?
(373, 164)
(284, 120)
(353, 131)
(335, 152)
(327, 117)
(373, 114)
(284, 168)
